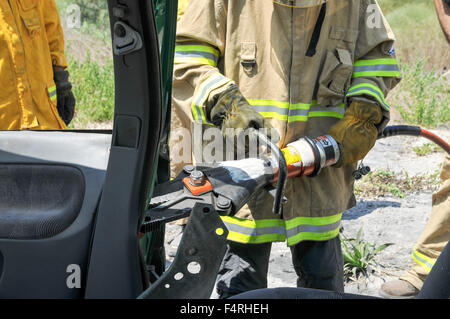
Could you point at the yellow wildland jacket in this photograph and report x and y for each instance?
(298, 67)
(31, 42)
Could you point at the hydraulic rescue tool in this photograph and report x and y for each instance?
(225, 187)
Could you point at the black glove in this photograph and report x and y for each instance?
(66, 100)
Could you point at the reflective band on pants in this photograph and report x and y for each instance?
(294, 230)
(424, 261)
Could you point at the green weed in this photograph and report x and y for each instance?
(426, 149)
(359, 255)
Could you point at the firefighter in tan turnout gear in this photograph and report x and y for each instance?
(305, 68)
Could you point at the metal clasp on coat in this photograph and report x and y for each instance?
(248, 65)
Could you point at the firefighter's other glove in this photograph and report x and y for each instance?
(233, 111)
(66, 100)
(357, 133)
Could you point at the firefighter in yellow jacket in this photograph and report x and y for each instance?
(305, 68)
(35, 89)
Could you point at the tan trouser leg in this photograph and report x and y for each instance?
(436, 234)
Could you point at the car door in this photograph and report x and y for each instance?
(71, 202)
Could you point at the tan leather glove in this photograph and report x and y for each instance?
(356, 132)
(233, 111)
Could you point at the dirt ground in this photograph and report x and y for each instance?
(383, 218)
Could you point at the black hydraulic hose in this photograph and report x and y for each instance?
(411, 130)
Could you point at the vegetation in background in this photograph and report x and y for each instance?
(359, 255)
(93, 86)
(426, 149)
(385, 182)
(424, 96)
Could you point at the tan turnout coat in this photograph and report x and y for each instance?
(262, 47)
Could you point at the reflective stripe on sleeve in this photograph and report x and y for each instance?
(424, 261)
(213, 82)
(369, 89)
(376, 67)
(198, 54)
(52, 93)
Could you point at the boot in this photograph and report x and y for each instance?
(398, 289)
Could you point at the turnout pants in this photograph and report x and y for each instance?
(317, 264)
(435, 235)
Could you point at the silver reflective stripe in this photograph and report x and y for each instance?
(294, 112)
(196, 54)
(255, 231)
(312, 229)
(52, 93)
(298, 111)
(368, 88)
(206, 90)
(380, 67)
(316, 108)
(271, 108)
(427, 263)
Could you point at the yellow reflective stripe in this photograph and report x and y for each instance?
(281, 117)
(377, 73)
(282, 105)
(294, 230)
(203, 61)
(313, 220)
(254, 223)
(298, 112)
(298, 118)
(200, 48)
(211, 83)
(302, 106)
(260, 239)
(312, 236)
(376, 67)
(52, 93)
(198, 54)
(424, 261)
(326, 114)
(375, 62)
(369, 89)
(254, 231)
